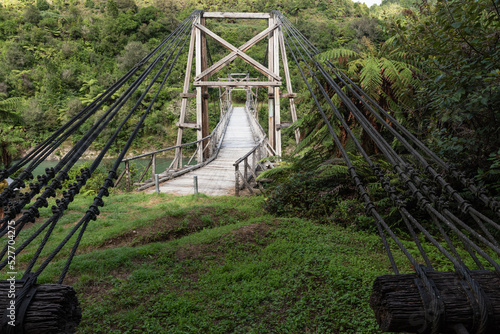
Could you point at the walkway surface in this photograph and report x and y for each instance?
(217, 178)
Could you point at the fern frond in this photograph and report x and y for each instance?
(332, 170)
(334, 54)
(10, 104)
(371, 78)
(8, 109)
(390, 70)
(275, 173)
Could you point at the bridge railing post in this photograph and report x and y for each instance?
(237, 180)
(153, 166)
(127, 171)
(180, 162)
(245, 171)
(254, 163)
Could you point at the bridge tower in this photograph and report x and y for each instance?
(198, 51)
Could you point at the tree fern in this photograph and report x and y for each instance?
(8, 110)
(334, 54)
(370, 75)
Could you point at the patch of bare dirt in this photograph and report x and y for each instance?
(250, 233)
(189, 251)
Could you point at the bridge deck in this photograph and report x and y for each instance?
(217, 178)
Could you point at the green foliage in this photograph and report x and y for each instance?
(310, 193)
(456, 43)
(89, 4)
(132, 54)
(42, 5)
(11, 136)
(112, 8)
(383, 72)
(310, 187)
(32, 14)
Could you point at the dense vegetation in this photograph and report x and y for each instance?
(59, 55)
(433, 64)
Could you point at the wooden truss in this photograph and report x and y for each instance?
(198, 47)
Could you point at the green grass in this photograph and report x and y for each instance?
(198, 264)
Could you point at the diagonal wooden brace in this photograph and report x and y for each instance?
(236, 52)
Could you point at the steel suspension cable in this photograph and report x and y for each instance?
(86, 173)
(79, 148)
(459, 266)
(381, 141)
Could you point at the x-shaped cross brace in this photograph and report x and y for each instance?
(236, 52)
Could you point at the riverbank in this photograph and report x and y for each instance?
(91, 154)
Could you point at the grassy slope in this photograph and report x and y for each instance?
(158, 263)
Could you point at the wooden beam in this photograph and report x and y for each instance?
(270, 92)
(258, 66)
(288, 95)
(238, 84)
(204, 93)
(227, 59)
(288, 81)
(199, 92)
(185, 90)
(277, 101)
(229, 15)
(283, 125)
(191, 125)
(186, 95)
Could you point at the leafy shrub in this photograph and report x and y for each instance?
(133, 53)
(42, 5)
(326, 193)
(307, 194)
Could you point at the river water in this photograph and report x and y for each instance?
(161, 165)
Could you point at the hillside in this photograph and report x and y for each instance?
(59, 55)
(217, 265)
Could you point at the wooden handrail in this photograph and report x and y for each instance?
(173, 147)
(249, 152)
(217, 135)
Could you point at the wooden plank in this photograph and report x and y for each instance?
(191, 125)
(227, 59)
(186, 95)
(238, 84)
(218, 177)
(235, 15)
(258, 66)
(288, 95)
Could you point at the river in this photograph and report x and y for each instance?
(161, 164)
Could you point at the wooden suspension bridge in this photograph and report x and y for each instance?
(466, 300)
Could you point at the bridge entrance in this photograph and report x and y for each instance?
(203, 73)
